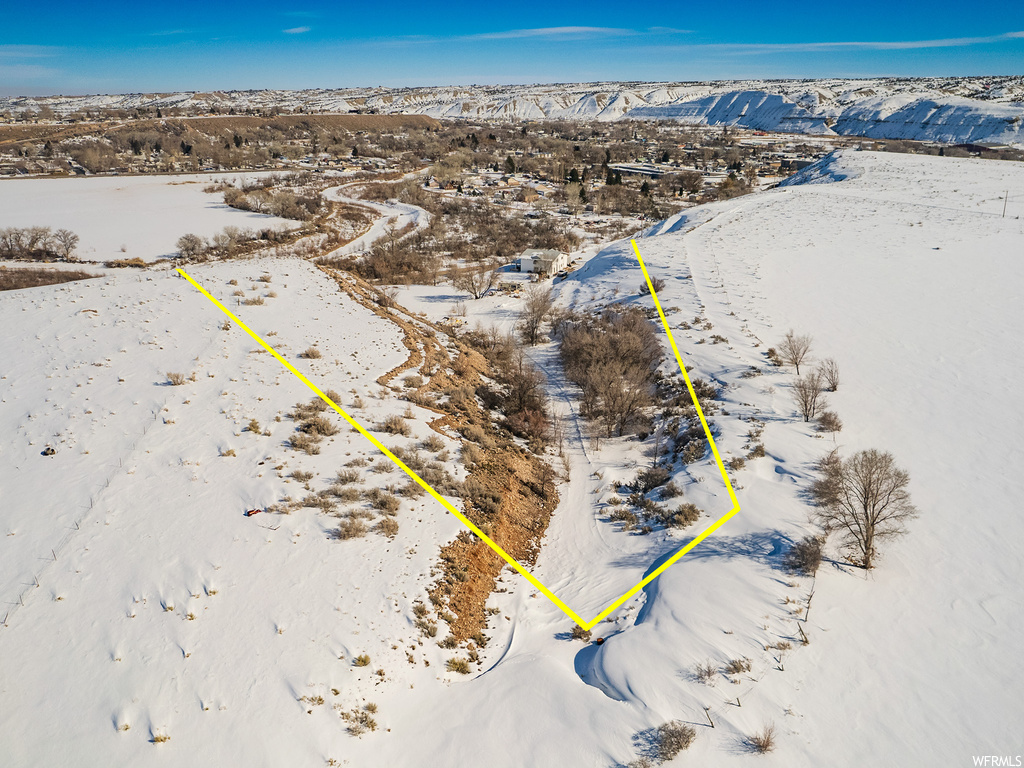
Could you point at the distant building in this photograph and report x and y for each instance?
(541, 260)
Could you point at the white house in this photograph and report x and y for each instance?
(548, 261)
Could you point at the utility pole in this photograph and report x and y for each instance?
(1005, 198)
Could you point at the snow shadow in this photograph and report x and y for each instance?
(764, 547)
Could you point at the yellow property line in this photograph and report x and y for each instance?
(469, 523)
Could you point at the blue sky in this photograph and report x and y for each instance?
(98, 47)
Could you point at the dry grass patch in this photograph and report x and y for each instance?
(16, 279)
(763, 741)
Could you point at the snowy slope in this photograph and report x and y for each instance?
(749, 109)
(900, 266)
(907, 275)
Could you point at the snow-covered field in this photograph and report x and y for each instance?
(128, 216)
(902, 269)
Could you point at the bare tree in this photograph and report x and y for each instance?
(66, 241)
(536, 310)
(864, 499)
(475, 282)
(794, 349)
(829, 371)
(807, 394)
(190, 246)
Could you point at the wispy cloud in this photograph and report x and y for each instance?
(23, 73)
(669, 31)
(296, 30)
(27, 51)
(168, 32)
(864, 45)
(577, 32)
(540, 33)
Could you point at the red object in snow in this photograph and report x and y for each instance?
(251, 512)
(599, 641)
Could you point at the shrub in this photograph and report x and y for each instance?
(320, 501)
(318, 425)
(483, 498)
(386, 502)
(347, 476)
(624, 516)
(351, 528)
(805, 556)
(476, 434)
(737, 666)
(302, 477)
(764, 740)
(413, 381)
(312, 353)
(737, 463)
(829, 421)
(342, 493)
(458, 665)
(673, 738)
(705, 672)
(134, 262)
(253, 426)
(387, 526)
(684, 515)
(359, 720)
(176, 379)
(433, 443)
(255, 301)
(579, 633)
(649, 479)
(757, 452)
(305, 410)
(300, 441)
(362, 660)
(657, 282)
(471, 454)
(695, 450)
(395, 425)
(670, 491)
(426, 627)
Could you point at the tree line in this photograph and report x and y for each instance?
(38, 244)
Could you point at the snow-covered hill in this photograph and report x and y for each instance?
(956, 109)
(137, 594)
